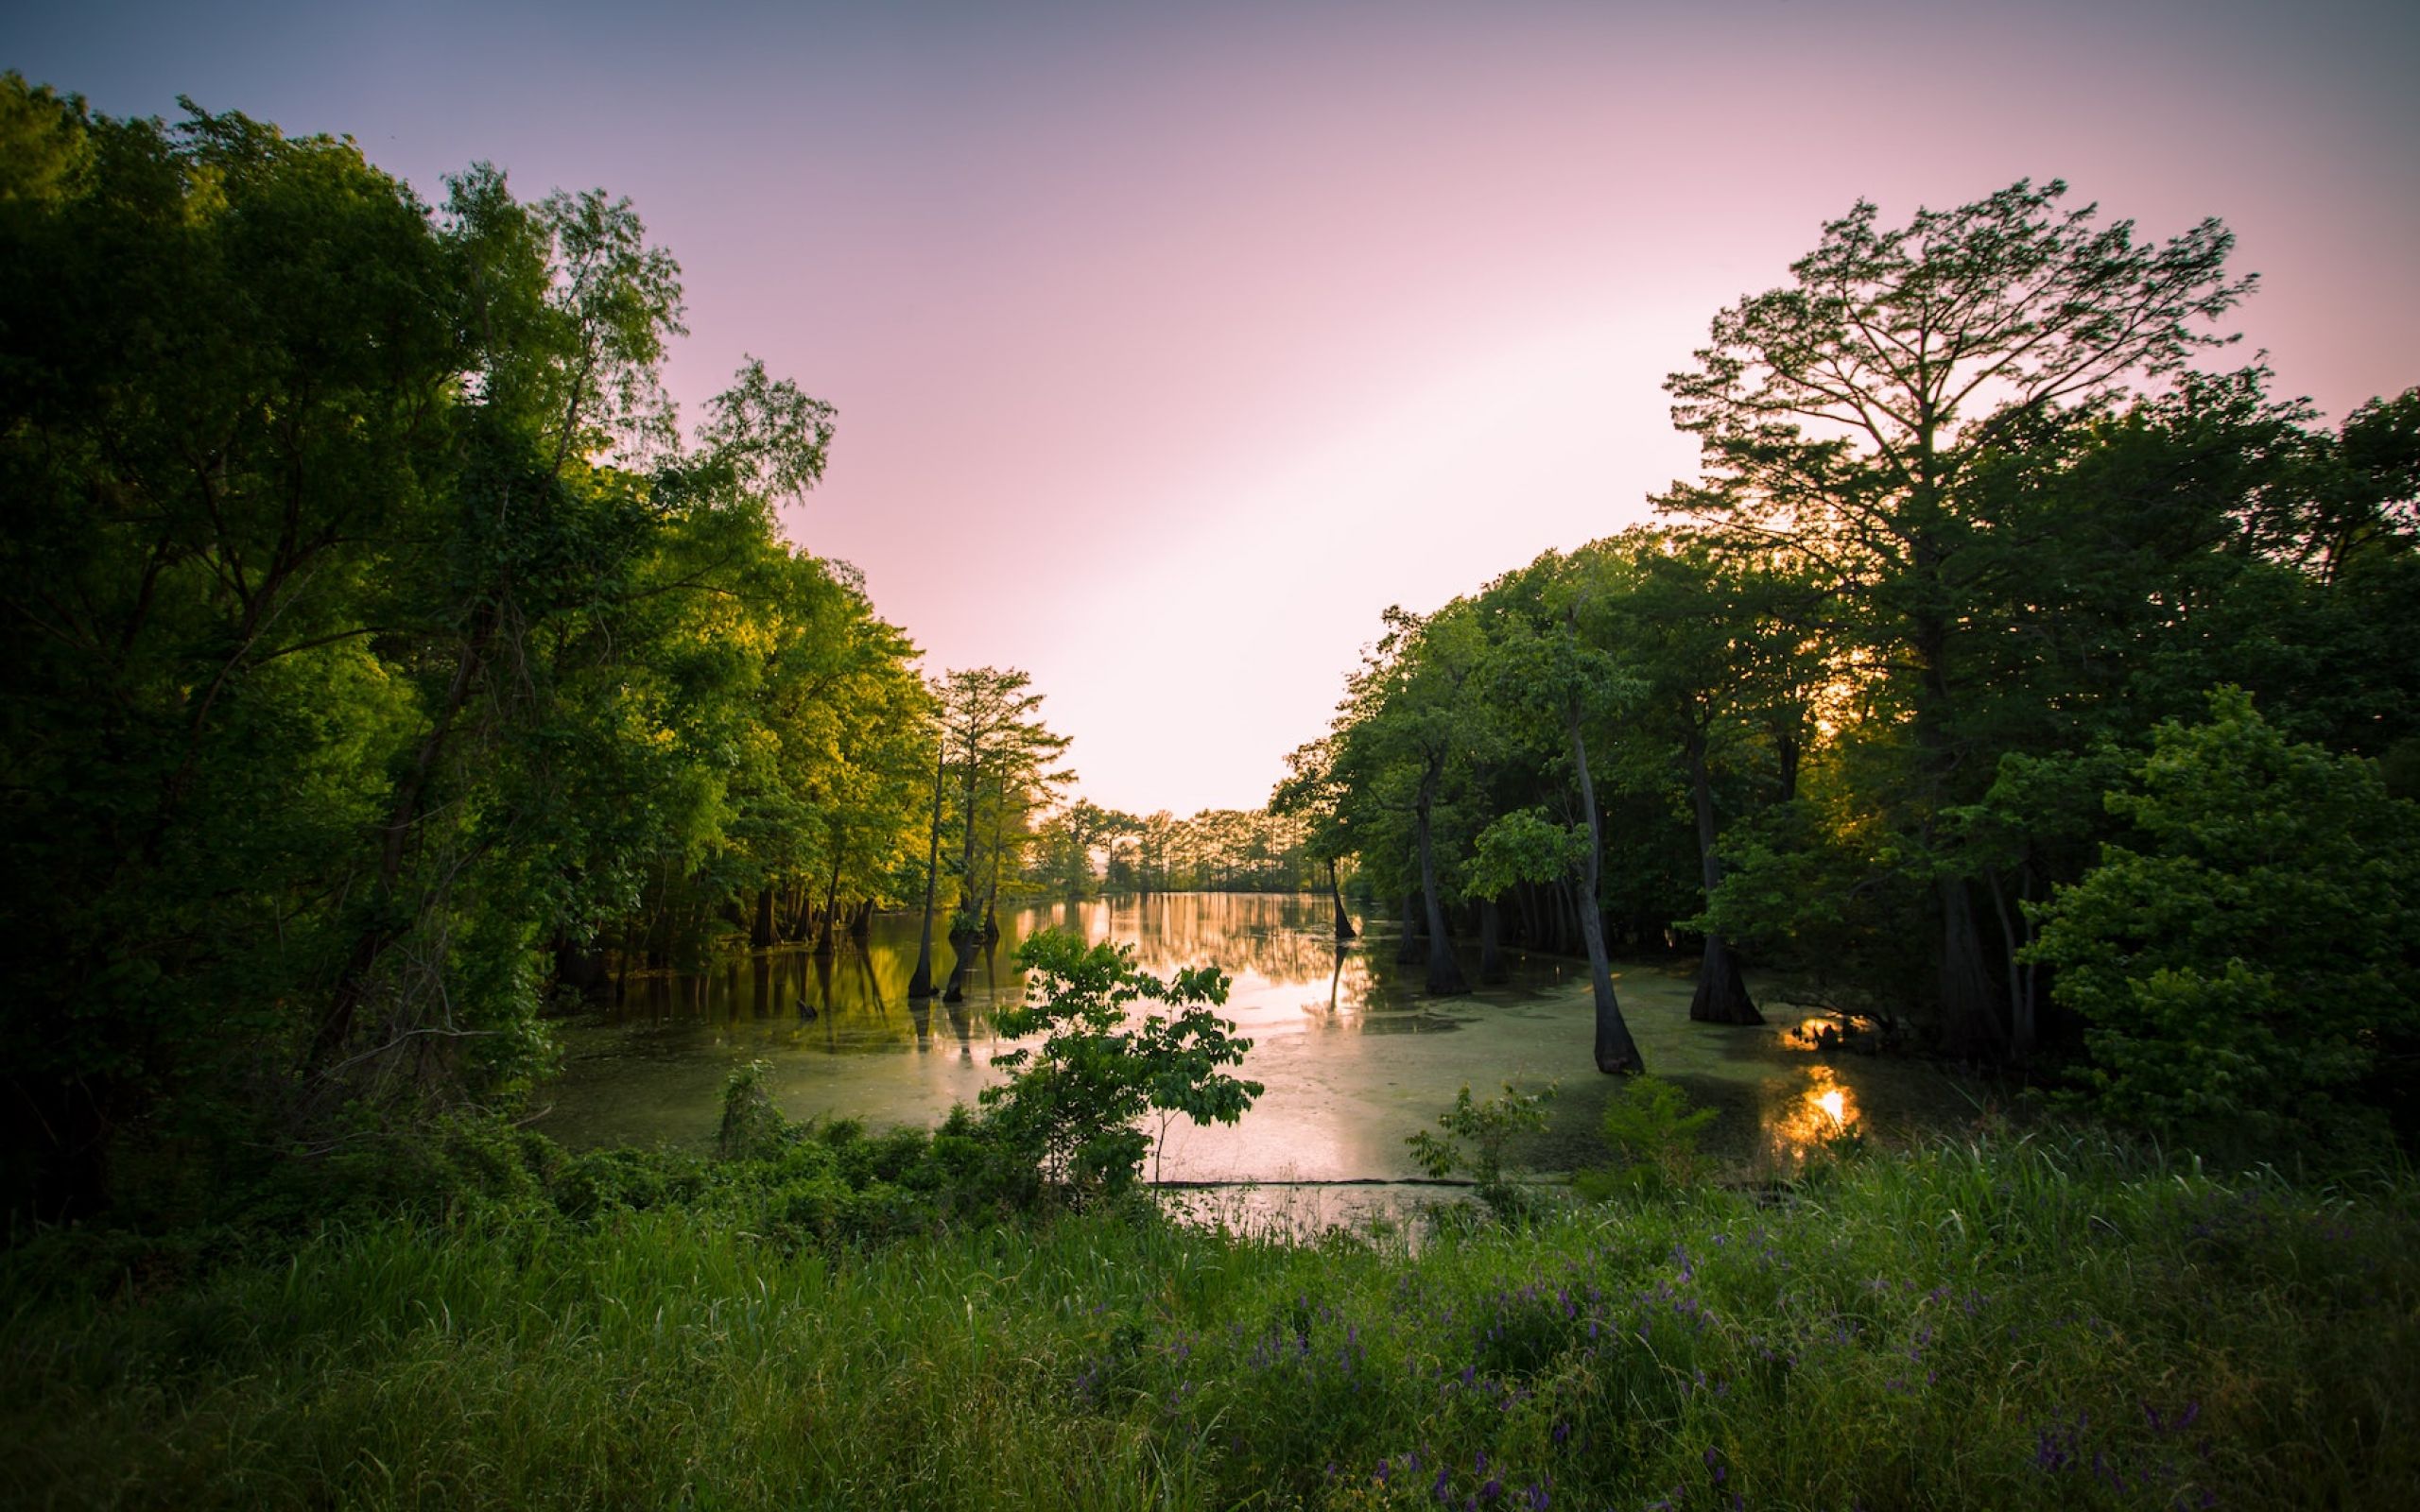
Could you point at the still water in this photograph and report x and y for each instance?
(1352, 1055)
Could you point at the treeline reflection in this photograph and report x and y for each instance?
(855, 998)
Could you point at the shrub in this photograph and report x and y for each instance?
(1074, 1102)
(752, 1127)
(1652, 1134)
(2253, 966)
(1477, 1138)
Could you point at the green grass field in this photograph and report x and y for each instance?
(2020, 1323)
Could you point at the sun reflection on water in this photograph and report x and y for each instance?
(1807, 1113)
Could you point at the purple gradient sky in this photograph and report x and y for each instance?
(1170, 346)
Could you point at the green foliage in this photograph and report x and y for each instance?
(1076, 1100)
(1523, 846)
(1948, 563)
(386, 648)
(2250, 964)
(2048, 1323)
(1653, 1135)
(1478, 1139)
(752, 1127)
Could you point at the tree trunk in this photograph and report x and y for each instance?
(1491, 944)
(1444, 972)
(1970, 1027)
(990, 934)
(920, 985)
(1616, 1052)
(1970, 1023)
(761, 937)
(403, 816)
(831, 904)
(1722, 996)
(971, 935)
(1344, 925)
(966, 938)
(581, 969)
(2020, 988)
(1408, 948)
(962, 922)
(1787, 750)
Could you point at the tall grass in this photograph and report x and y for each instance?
(2013, 1323)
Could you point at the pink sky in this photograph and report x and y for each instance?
(1172, 345)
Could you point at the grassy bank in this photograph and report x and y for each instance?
(2014, 1324)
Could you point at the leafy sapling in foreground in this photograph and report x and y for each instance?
(1077, 1100)
(1478, 1134)
(1652, 1134)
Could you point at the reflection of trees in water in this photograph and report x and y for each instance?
(1282, 936)
(857, 998)
(1777, 1102)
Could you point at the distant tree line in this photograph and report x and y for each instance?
(2007, 679)
(1084, 850)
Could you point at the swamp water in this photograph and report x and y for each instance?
(1352, 1055)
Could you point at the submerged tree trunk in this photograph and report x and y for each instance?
(581, 967)
(1444, 972)
(920, 985)
(1490, 943)
(1722, 995)
(1616, 1052)
(1343, 924)
(831, 903)
(992, 893)
(1408, 948)
(966, 926)
(962, 922)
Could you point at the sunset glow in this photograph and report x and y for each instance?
(1238, 324)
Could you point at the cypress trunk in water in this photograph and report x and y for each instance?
(1408, 948)
(1490, 943)
(1444, 972)
(1722, 996)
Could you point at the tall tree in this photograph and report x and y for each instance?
(1546, 674)
(1850, 416)
(363, 583)
(993, 735)
(1312, 793)
(1407, 723)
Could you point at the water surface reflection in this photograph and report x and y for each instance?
(1353, 1056)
